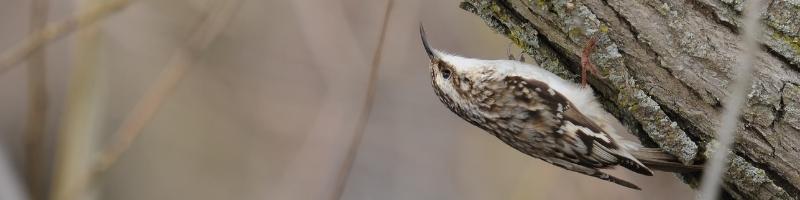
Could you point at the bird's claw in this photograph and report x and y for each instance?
(511, 56)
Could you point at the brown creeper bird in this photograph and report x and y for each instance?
(541, 115)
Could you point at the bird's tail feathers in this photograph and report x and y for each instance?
(656, 159)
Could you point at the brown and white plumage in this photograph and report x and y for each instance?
(534, 111)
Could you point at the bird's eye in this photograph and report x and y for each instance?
(445, 73)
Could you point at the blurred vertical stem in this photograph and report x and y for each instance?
(79, 124)
(712, 176)
(37, 107)
(366, 109)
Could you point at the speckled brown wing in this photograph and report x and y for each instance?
(579, 141)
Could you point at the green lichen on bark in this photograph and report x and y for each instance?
(750, 181)
(792, 45)
(660, 128)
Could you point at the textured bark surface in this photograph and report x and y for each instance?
(664, 67)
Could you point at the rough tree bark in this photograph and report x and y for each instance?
(664, 67)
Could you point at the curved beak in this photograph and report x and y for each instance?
(425, 42)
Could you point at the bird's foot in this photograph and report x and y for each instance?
(511, 56)
(586, 62)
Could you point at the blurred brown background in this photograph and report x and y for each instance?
(269, 109)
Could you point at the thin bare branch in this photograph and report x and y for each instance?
(153, 98)
(712, 176)
(37, 108)
(85, 95)
(366, 109)
(37, 39)
(316, 167)
(213, 24)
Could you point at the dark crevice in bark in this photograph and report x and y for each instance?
(685, 85)
(725, 195)
(709, 12)
(563, 55)
(649, 51)
(627, 24)
(761, 136)
(786, 61)
(692, 131)
(713, 15)
(781, 107)
(548, 22)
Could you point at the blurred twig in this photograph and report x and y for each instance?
(37, 39)
(366, 109)
(37, 108)
(712, 176)
(83, 105)
(206, 32)
(145, 108)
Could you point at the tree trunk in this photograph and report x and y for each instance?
(664, 68)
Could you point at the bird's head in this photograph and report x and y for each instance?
(452, 76)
